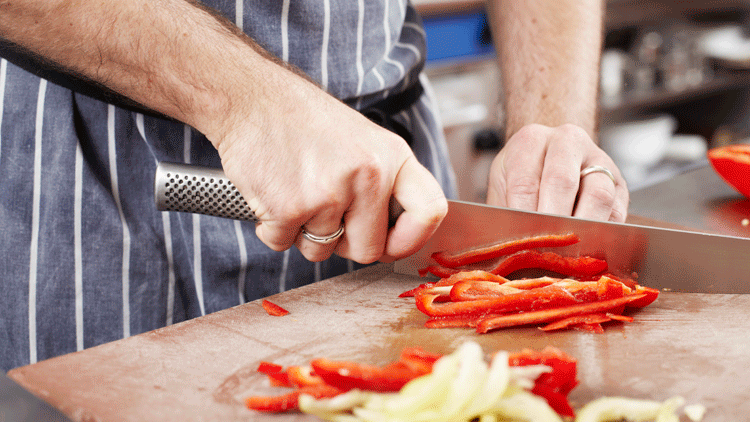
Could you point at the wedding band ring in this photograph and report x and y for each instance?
(598, 169)
(323, 240)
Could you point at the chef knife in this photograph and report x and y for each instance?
(669, 259)
(663, 258)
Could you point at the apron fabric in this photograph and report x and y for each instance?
(85, 256)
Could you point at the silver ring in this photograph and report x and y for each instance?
(598, 169)
(323, 240)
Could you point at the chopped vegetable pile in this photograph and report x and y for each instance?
(420, 386)
(486, 300)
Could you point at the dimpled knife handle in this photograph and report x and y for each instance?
(201, 190)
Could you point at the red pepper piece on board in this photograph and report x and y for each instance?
(303, 376)
(732, 163)
(550, 261)
(471, 275)
(349, 375)
(289, 401)
(412, 292)
(438, 271)
(554, 386)
(418, 360)
(651, 295)
(505, 248)
(593, 327)
(548, 315)
(269, 367)
(273, 309)
(475, 289)
(618, 317)
(527, 300)
(276, 374)
(564, 323)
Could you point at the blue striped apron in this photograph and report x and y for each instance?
(86, 257)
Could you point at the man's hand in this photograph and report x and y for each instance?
(304, 159)
(539, 170)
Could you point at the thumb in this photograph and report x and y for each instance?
(424, 207)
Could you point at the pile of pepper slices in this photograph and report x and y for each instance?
(485, 300)
(325, 378)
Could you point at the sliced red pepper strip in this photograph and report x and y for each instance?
(550, 261)
(531, 283)
(475, 289)
(289, 401)
(418, 360)
(273, 309)
(547, 315)
(349, 375)
(596, 318)
(732, 163)
(276, 374)
(527, 300)
(451, 321)
(410, 293)
(269, 367)
(618, 317)
(554, 386)
(593, 327)
(505, 248)
(470, 275)
(438, 271)
(302, 376)
(651, 295)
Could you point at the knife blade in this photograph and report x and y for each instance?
(663, 258)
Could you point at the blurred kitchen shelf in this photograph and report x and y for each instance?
(635, 102)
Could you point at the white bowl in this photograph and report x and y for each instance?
(638, 145)
(642, 142)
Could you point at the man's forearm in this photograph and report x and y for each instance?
(549, 56)
(172, 56)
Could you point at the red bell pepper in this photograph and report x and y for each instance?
(349, 375)
(471, 275)
(550, 261)
(650, 296)
(596, 318)
(289, 401)
(547, 315)
(732, 163)
(273, 309)
(276, 374)
(418, 360)
(412, 292)
(269, 368)
(554, 386)
(303, 376)
(438, 271)
(527, 300)
(501, 249)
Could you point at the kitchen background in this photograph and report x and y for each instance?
(675, 81)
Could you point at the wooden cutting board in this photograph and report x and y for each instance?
(689, 344)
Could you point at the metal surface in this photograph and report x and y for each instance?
(663, 258)
(202, 190)
(699, 199)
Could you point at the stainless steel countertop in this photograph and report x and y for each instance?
(697, 199)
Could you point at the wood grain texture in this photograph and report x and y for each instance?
(688, 344)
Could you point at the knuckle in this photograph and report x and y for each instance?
(602, 196)
(524, 185)
(561, 181)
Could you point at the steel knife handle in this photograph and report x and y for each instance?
(206, 190)
(200, 190)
